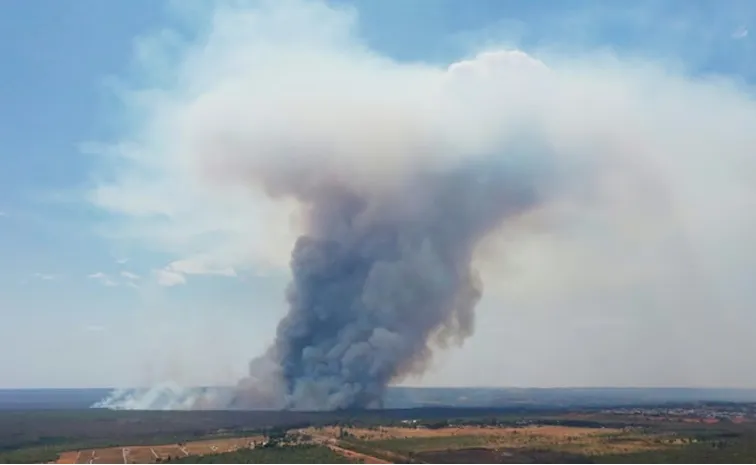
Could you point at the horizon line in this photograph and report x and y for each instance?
(608, 387)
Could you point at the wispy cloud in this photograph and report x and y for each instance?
(201, 266)
(169, 278)
(44, 276)
(175, 272)
(102, 278)
(130, 275)
(2, 213)
(122, 261)
(740, 33)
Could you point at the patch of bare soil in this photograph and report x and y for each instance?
(565, 439)
(153, 454)
(382, 433)
(352, 455)
(482, 455)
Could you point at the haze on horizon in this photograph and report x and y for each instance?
(140, 257)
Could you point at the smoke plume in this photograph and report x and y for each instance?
(377, 277)
(397, 189)
(383, 270)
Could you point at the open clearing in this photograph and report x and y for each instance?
(152, 454)
(391, 444)
(565, 439)
(372, 434)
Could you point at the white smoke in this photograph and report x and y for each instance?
(652, 221)
(165, 396)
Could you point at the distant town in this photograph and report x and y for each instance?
(704, 413)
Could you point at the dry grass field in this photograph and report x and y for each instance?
(587, 441)
(356, 456)
(152, 454)
(391, 444)
(380, 433)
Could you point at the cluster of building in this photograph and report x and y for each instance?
(737, 413)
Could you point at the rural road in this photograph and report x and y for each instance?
(331, 443)
(355, 455)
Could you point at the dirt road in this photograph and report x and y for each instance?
(352, 455)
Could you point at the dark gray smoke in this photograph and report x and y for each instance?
(378, 280)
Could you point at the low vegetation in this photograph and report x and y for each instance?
(287, 454)
(411, 436)
(30, 455)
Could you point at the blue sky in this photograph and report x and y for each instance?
(97, 290)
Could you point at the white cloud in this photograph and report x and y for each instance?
(200, 266)
(44, 276)
(129, 275)
(122, 261)
(740, 33)
(652, 239)
(2, 213)
(169, 278)
(103, 279)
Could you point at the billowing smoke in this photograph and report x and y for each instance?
(378, 277)
(383, 271)
(394, 187)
